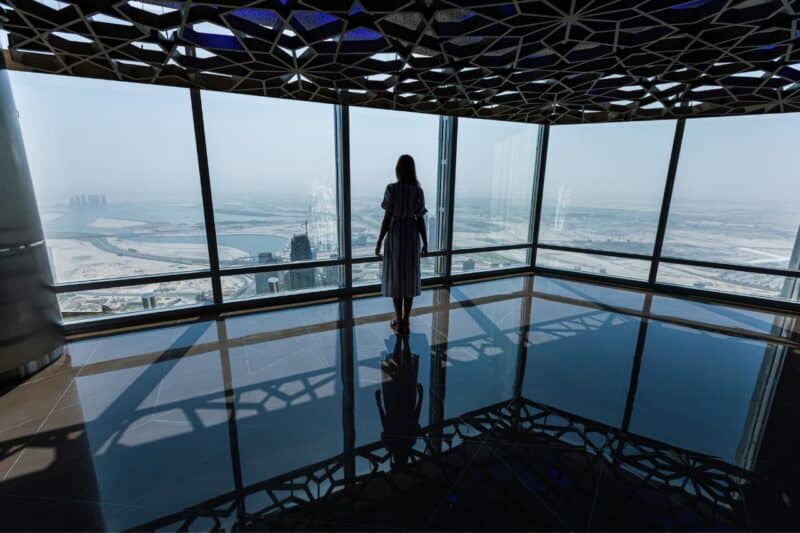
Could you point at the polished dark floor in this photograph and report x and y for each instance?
(517, 403)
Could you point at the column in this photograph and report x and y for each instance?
(30, 322)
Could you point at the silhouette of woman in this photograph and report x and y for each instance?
(402, 401)
(403, 225)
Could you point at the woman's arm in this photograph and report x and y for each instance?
(423, 232)
(387, 221)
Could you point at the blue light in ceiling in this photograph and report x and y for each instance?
(265, 17)
(508, 10)
(313, 19)
(362, 34)
(210, 40)
(356, 9)
(691, 4)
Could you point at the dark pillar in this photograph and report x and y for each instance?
(30, 330)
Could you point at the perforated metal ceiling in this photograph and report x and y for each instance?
(533, 61)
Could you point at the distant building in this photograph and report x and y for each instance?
(263, 278)
(468, 265)
(274, 285)
(149, 301)
(432, 233)
(300, 250)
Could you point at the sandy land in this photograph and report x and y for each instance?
(114, 223)
(79, 260)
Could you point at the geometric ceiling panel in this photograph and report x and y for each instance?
(538, 61)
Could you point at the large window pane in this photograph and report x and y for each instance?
(115, 170)
(273, 178)
(280, 282)
(377, 139)
(594, 264)
(604, 184)
(370, 273)
(737, 191)
(477, 262)
(728, 281)
(494, 165)
(134, 299)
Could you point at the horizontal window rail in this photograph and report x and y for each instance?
(608, 253)
(376, 258)
(727, 266)
(111, 283)
(499, 248)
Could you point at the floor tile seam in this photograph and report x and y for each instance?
(482, 443)
(92, 501)
(539, 499)
(41, 425)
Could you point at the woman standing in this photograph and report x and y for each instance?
(403, 225)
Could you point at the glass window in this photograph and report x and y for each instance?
(729, 281)
(280, 282)
(737, 192)
(495, 163)
(134, 299)
(604, 185)
(115, 170)
(273, 178)
(477, 262)
(370, 273)
(594, 264)
(377, 139)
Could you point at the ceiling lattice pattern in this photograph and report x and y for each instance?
(532, 61)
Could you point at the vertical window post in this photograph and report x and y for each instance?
(342, 128)
(446, 185)
(205, 187)
(666, 199)
(538, 190)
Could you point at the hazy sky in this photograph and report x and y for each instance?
(133, 141)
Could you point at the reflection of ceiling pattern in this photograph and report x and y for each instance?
(651, 482)
(531, 61)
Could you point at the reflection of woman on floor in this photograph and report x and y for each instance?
(402, 401)
(403, 226)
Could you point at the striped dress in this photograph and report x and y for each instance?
(401, 274)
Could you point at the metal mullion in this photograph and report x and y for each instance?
(274, 267)
(342, 146)
(205, 187)
(75, 286)
(538, 189)
(609, 253)
(666, 200)
(736, 268)
(449, 135)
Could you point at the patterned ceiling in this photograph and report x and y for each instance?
(556, 61)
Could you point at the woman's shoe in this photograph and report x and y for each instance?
(397, 326)
(405, 328)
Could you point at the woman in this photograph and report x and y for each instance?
(403, 225)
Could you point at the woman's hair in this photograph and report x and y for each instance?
(405, 170)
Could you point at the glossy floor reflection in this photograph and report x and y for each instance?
(516, 403)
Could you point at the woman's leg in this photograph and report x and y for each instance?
(398, 306)
(407, 308)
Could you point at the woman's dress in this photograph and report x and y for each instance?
(401, 272)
